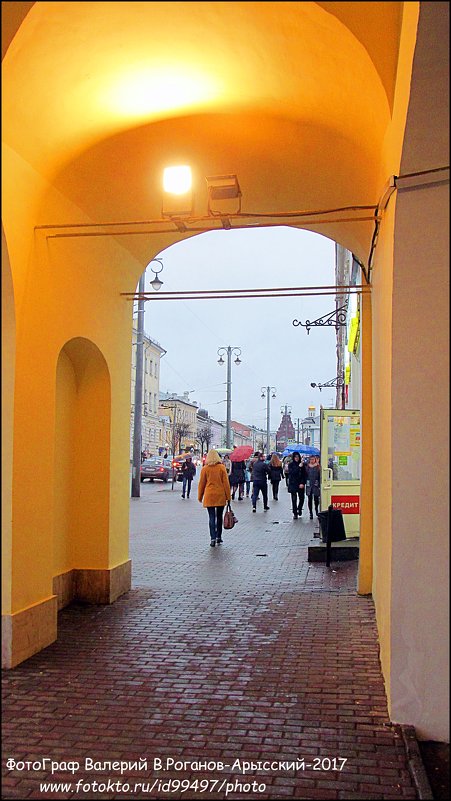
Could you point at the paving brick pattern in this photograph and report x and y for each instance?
(244, 653)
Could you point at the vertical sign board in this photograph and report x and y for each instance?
(341, 465)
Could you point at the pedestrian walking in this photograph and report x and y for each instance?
(236, 479)
(188, 472)
(214, 492)
(247, 478)
(286, 462)
(252, 461)
(313, 484)
(297, 477)
(260, 473)
(275, 475)
(227, 464)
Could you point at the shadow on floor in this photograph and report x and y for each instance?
(435, 758)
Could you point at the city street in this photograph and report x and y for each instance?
(242, 670)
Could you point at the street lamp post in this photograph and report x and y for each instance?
(268, 390)
(229, 350)
(139, 375)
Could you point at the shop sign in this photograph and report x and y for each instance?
(349, 504)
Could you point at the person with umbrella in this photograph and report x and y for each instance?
(238, 470)
(188, 473)
(297, 479)
(236, 478)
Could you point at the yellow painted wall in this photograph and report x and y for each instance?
(365, 575)
(65, 464)
(420, 458)
(91, 450)
(382, 280)
(64, 288)
(82, 458)
(382, 441)
(420, 396)
(8, 370)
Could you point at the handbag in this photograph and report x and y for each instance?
(229, 518)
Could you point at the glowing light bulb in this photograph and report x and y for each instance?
(177, 180)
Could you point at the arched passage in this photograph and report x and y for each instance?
(82, 472)
(317, 96)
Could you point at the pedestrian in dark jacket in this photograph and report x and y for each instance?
(237, 478)
(297, 477)
(188, 473)
(275, 475)
(260, 473)
(313, 486)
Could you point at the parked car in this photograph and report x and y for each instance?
(156, 468)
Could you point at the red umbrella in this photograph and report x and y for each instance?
(241, 453)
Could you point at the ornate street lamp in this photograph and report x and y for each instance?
(229, 350)
(139, 374)
(268, 391)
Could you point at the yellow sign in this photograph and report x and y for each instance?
(353, 333)
(355, 437)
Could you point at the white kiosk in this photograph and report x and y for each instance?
(341, 465)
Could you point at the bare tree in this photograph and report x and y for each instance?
(181, 430)
(204, 435)
(260, 444)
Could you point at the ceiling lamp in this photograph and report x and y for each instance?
(177, 191)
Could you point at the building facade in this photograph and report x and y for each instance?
(183, 423)
(151, 425)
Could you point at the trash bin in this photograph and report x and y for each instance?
(337, 525)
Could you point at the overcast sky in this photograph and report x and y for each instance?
(273, 351)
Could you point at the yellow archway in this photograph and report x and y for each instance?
(306, 102)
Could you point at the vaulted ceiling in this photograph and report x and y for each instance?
(294, 98)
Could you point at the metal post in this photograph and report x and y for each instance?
(229, 350)
(137, 420)
(267, 421)
(298, 430)
(174, 423)
(229, 398)
(268, 390)
(329, 534)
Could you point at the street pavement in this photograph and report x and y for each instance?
(240, 671)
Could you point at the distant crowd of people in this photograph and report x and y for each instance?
(222, 478)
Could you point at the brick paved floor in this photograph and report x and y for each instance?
(240, 654)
